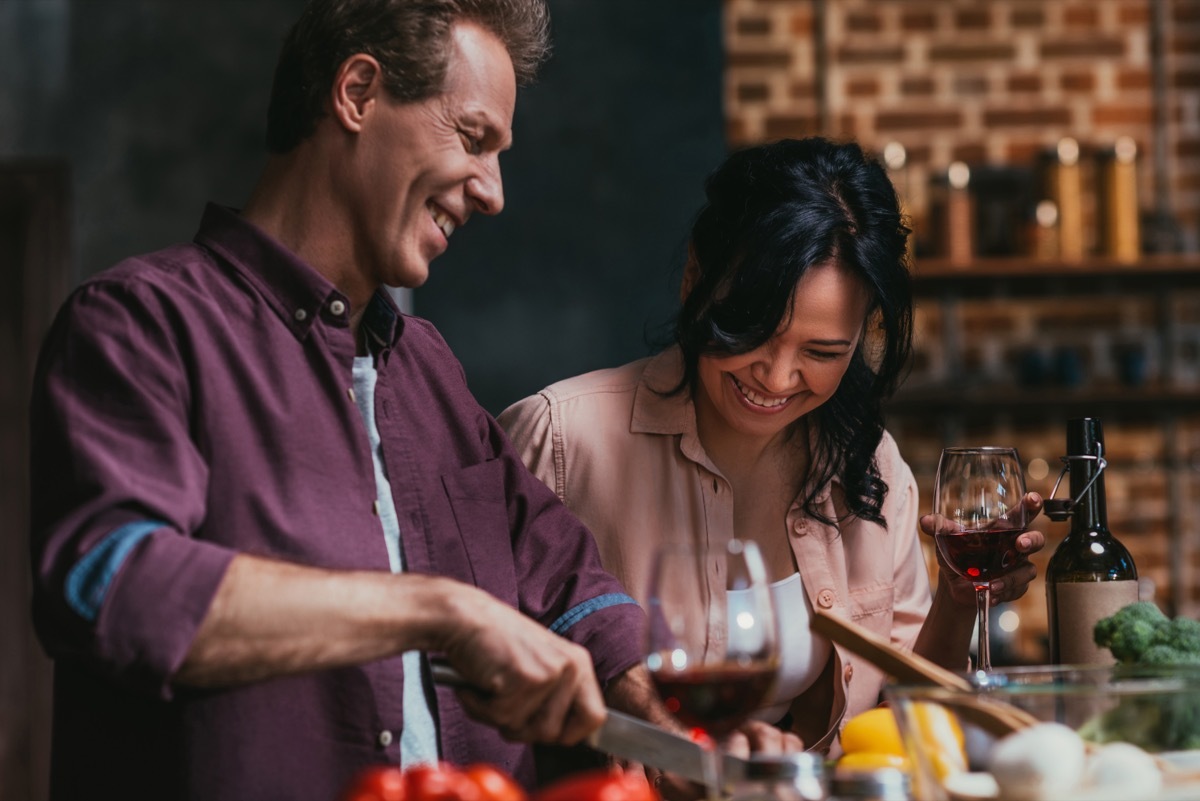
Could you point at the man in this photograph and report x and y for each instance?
(260, 493)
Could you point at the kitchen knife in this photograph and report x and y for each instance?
(632, 738)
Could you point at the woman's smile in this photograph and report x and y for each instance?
(757, 402)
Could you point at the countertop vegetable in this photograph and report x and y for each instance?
(446, 782)
(1141, 635)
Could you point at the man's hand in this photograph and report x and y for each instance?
(1011, 586)
(531, 684)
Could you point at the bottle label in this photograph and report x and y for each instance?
(1078, 607)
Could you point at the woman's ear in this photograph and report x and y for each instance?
(691, 274)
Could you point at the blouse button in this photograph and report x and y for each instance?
(301, 315)
(385, 738)
(848, 673)
(337, 307)
(825, 599)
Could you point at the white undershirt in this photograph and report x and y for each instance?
(802, 654)
(418, 739)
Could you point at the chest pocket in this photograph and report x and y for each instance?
(872, 607)
(477, 500)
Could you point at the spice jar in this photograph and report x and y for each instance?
(889, 784)
(782, 777)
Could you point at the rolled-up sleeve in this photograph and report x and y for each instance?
(118, 484)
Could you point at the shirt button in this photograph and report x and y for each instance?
(301, 315)
(825, 599)
(375, 508)
(798, 527)
(350, 394)
(337, 307)
(385, 738)
(848, 673)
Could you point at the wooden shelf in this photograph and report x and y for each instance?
(1150, 401)
(985, 277)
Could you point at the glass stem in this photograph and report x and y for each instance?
(983, 603)
(711, 765)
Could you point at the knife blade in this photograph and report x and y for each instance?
(628, 737)
(632, 738)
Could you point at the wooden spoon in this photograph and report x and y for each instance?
(996, 717)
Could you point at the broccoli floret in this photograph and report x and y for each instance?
(1130, 631)
(1169, 655)
(1141, 634)
(1181, 634)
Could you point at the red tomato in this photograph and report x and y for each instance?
(378, 783)
(600, 785)
(495, 783)
(441, 782)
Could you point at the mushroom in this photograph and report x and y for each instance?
(1041, 763)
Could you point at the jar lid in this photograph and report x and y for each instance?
(887, 784)
(782, 767)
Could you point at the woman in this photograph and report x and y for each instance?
(764, 421)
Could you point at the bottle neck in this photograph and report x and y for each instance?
(1090, 512)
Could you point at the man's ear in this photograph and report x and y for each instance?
(691, 274)
(356, 86)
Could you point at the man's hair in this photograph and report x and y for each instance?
(409, 38)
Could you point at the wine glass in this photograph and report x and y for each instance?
(978, 498)
(712, 644)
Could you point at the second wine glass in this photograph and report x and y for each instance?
(712, 644)
(978, 498)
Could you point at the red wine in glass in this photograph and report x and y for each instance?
(978, 503)
(981, 555)
(716, 700)
(712, 645)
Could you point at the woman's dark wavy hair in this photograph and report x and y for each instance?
(409, 39)
(772, 212)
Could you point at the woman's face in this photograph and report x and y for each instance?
(761, 393)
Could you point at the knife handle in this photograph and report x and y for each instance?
(444, 674)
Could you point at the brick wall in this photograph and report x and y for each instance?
(992, 82)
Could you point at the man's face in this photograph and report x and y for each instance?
(423, 168)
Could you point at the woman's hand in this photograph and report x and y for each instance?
(753, 737)
(1007, 588)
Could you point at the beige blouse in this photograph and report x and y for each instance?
(629, 463)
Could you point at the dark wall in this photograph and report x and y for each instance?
(611, 148)
(158, 106)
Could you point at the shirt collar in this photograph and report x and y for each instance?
(294, 289)
(655, 411)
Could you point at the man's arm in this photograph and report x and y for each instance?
(271, 619)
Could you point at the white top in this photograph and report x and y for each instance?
(802, 654)
(418, 740)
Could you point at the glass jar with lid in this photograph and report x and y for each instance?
(780, 777)
(888, 784)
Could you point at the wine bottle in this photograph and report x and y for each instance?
(1091, 574)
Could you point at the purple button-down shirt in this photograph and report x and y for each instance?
(195, 403)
